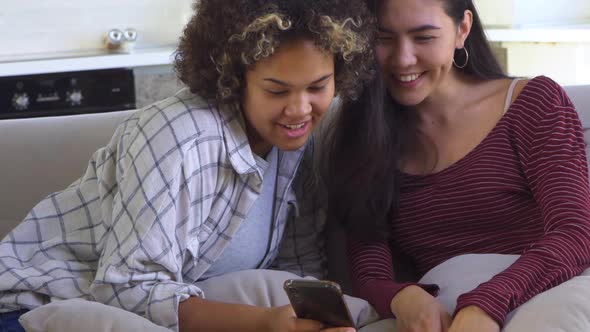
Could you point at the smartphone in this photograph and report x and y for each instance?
(319, 300)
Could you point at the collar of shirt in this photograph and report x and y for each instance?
(240, 154)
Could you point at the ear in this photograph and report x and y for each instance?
(464, 28)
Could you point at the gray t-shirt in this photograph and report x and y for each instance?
(249, 244)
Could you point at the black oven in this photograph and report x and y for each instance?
(67, 93)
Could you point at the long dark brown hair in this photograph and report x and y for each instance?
(364, 143)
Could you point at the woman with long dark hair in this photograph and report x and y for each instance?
(445, 155)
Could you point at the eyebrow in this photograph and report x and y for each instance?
(421, 28)
(274, 80)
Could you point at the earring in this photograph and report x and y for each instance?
(466, 59)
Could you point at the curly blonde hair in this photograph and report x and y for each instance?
(226, 37)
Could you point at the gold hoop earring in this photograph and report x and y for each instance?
(466, 59)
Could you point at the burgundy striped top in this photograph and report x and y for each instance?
(523, 190)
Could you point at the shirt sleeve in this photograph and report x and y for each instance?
(551, 147)
(373, 276)
(141, 265)
(140, 269)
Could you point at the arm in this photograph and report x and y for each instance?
(373, 276)
(551, 148)
(149, 235)
(197, 314)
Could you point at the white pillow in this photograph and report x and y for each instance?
(82, 315)
(564, 308)
(463, 273)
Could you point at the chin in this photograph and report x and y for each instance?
(406, 98)
(290, 147)
(407, 101)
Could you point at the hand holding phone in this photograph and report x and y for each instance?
(319, 300)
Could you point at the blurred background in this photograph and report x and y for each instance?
(66, 55)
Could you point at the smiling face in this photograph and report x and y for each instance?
(415, 47)
(286, 95)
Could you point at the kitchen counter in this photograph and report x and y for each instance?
(68, 62)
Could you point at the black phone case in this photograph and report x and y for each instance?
(319, 300)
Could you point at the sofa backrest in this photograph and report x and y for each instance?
(43, 155)
(580, 96)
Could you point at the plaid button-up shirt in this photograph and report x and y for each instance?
(154, 210)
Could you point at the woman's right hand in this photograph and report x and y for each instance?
(283, 319)
(418, 311)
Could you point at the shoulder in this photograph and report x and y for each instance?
(543, 113)
(542, 90)
(175, 122)
(168, 132)
(542, 98)
(183, 115)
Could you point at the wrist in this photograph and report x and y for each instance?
(263, 319)
(400, 299)
(474, 311)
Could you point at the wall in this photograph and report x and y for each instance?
(566, 63)
(58, 26)
(554, 37)
(528, 13)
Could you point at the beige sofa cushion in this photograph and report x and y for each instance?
(43, 155)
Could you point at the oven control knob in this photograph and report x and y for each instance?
(74, 97)
(20, 101)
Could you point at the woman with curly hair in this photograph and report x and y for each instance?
(213, 180)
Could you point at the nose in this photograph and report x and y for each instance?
(404, 55)
(298, 106)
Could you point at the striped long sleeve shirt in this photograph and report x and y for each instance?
(523, 190)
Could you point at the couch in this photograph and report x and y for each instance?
(42, 155)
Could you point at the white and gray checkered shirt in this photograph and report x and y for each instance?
(153, 211)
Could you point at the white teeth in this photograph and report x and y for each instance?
(408, 78)
(297, 126)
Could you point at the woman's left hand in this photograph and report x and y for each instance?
(472, 318)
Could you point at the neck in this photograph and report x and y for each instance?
(258, 145)
(442, 106)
